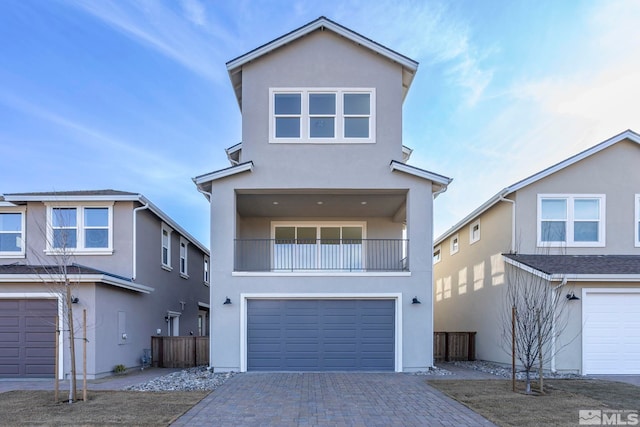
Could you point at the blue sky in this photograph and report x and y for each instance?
(134, 95)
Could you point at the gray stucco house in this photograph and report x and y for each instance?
(135, 271)
(321, 233)
(575, 227)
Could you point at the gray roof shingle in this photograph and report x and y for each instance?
(580, 264)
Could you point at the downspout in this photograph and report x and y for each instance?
(553, 326)
(135, 247)
(513, 222)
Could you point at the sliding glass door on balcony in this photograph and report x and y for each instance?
(318, 248)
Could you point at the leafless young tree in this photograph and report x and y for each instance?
(540, 317)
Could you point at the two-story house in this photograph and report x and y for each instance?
(574, 225)
(321, 233)
(135, 271)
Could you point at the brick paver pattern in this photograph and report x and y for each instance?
(329, 399)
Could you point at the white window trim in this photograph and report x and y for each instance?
(339, 116)
(164, 227)
(471, 226)
(637, 221)
(184, 273)
(80, 227)
(23, 213)
(453, 250)
(206, 267)
(569, 243)
(439, 250)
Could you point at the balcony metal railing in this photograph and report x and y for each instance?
(352, 255)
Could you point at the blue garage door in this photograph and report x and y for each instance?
(320, 335)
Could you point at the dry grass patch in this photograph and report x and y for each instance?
(559, 406)
(131, 408)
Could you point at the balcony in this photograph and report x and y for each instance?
(321, 255)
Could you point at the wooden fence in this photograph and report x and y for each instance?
(179, 352)
(452, 346)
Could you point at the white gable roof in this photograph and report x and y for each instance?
(628, 134)
(234, 67)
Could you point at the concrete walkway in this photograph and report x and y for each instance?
(115, 382)
(335, 399)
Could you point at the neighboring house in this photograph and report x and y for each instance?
(320, 231)
(575, 224)
(135, 271)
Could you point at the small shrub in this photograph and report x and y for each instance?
(120, 369)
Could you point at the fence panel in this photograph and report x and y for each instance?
(454, 346)
(179, 352)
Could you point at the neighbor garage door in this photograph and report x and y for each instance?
(611, 334)
(27, 337)
(320, 335)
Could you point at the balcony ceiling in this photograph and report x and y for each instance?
(307, 204)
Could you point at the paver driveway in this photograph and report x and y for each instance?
(329, 399)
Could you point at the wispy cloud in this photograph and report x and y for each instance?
(195, 12)
(431, 32)
(160, 28)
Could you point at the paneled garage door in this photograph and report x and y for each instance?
(27, 337)
(611, 334)
(320, 335)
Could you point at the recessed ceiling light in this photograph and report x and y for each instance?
(276, 203)
(319, 203)
(363, 203)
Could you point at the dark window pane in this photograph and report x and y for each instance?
(553, 231)
(307, 235)
(10, 242)
(64, 238)
(356, 127)
(96, 217)
(321, 127)
(287, 103)
(322, 103)
(96, 238)
(64, 217)
(287, 127)
(330, 235)
(357, 104)
(585, 231)
(10, 221)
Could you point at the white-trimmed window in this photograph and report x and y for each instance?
(184, 258)
(474, 232)
(319, 246)
(165, 256)
(205, 268)
(571, 220)
(84, 230)
(12, 224)
(454, 244)
(322, 115)
(437, 254)
(637, 221)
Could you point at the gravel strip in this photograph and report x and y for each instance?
(192, 379)
(502, 371)
(435, 371)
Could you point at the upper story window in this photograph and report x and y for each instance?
(571, 220)
(166, 247)
(474, 232)
(205, 268)
(322, 115)
(637, 221)
(184, 261)
(437, 254)
(80, 229)
(454, 244)
(12, 234)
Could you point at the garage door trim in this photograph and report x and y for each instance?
(397, 297)
(43, 295)
(585, 294)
